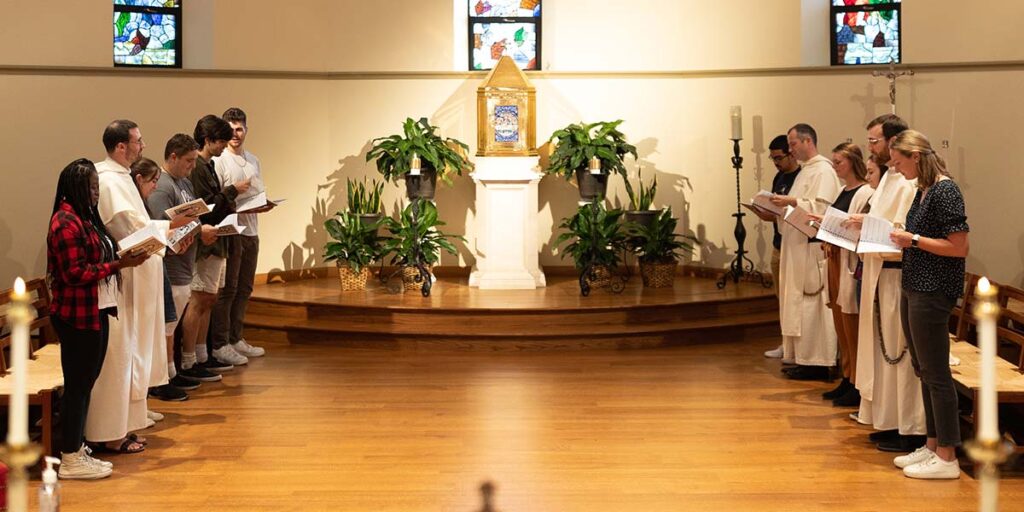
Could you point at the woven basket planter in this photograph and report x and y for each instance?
(599, 277)
(409, 281)
(352, 281)
(658, 275)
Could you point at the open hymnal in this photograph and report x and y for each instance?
(256, 202)
(831, 230)
(801, 220)
(874, 236)
(763, 201)
(148, 240)
(181, 234)
(191, 209)
(229, 226)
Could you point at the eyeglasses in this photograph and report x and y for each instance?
(779, 158)
(139, 142)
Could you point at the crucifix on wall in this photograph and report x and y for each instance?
(892, 75)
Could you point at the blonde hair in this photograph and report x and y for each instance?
(852, 153)
(931, 167)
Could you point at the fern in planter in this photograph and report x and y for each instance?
(597, 237)
(658, 242)
(577, 143)
(353, 243)
(393, 153)
(417, 240)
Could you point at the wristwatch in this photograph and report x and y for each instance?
(914, 240)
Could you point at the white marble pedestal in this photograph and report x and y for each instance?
(506, 224)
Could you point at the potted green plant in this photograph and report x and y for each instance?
(354, 245)
(596, 241)
(575, 146)
(364, 199)
(640, 200)
(417, 242)
(438, 157)
(659, 247)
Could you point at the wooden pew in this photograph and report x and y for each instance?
(1010, 375)
(44, 370)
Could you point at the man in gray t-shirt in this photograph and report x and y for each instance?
(173, 189)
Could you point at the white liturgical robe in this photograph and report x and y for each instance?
(890, 392)
(136, 350)
(808, 333)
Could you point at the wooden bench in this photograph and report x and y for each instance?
(45, 377)
(967, 375)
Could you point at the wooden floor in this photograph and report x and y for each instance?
(698, 427)
(556, 316)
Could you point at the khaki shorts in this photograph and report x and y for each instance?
(209, 274)
(181, 295)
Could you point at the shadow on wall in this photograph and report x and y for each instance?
(1018, 280)
(456, 204)
(299, 259)
(869, 101)
(10, 267)
(760, 247)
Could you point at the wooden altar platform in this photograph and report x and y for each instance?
(459, 317)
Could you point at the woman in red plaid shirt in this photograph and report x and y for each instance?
(80, 253)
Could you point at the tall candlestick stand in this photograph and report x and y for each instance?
(741, 267)
(18, 453)
(988, 449)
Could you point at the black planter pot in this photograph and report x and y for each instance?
(422, 186)
(592, 186)
(641, 217)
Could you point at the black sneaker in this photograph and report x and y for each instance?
(214, 365)
(184, 384)
(850, 399)
(883, 435)
(168, 393)
(199, 374)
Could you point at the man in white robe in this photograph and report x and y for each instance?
(808, 334)
(135, 359)
(890, 391)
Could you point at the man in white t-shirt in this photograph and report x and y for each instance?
(237, 164)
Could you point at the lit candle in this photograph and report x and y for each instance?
(17, 419)
(414, 165)
(986, 311)
(736, 115)
(595, 165)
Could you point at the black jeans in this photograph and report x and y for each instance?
(232, 300)
(925, 317)
(81, 358)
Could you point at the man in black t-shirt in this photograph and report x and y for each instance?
(788, 168)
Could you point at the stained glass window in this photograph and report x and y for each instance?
(146, 33)
(504, 27)
(865, 31)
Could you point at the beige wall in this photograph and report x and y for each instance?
(311, 131)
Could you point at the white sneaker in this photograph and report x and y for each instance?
(227, 354)
(244, 348)
(155, 416)
(919, 455)
(86, 452)
(934, 468)
(774, 353)
(77, 466)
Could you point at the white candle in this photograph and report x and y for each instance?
(17, 419)
(736, 115)
(595, 165)
(988, 412)
(414, 165)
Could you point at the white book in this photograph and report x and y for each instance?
(191, 209)
(229, 226)
(874, 236)
(182, 233)
(763, 200)
(256, 202)
(799, 219)
(149, 240)
(831, 230)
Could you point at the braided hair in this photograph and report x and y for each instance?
(73, 187)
